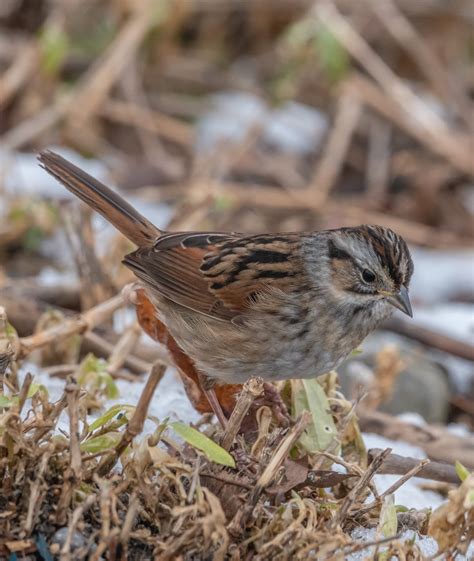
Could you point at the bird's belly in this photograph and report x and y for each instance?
(233, 355)
(270, 347)
(274, 360)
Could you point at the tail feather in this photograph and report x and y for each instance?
(101, 198)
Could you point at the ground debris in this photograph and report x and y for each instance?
(67, 495)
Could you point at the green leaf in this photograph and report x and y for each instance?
(54, 44)
(32, 238)
(300, 33)
(100, 443)
(332, 55)
(223, 203)
(111, 389)
(92, 364)
(35, 388)
(109, 415)
(5, 401)
(462, 471)
(308, 395)
(212, 451)
(10, 331)
(388, 523)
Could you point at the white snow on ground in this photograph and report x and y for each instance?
(428, 546)
(20, 173)
(441, 274)
(410, 494)
(292, 128)
(170, 399)
(453, 319)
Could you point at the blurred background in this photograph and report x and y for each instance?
(263, 115)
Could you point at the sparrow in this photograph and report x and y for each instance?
(277, 305)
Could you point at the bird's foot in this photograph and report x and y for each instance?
(273, 399)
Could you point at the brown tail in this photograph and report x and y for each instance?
(102, 199)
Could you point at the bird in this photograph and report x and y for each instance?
(276, 305)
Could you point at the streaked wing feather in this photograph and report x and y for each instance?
(217, 274)
(242, 269)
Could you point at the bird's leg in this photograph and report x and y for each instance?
(273, 398)
(207, 386)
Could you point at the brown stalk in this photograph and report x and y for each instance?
(99, 79)
(452, 147)
(332, 159)
(378, 159)
(408, 475)
(133, 507)
(123, 348)
(359, 487)
(22, 396)
(137, 362)
(93, 88)
(25, 308)
(90, 319)
(39, 123)
(281, 453)
(252, 389)
(408, 38)
(72, 395)
(279, 456)
(53, 418)
(36, 492)
(135, 425)
(6, 349)
(270, 197)
(431, 338)
(95, 285)
(19, 71)
(79, 511)
(149, 120)
(73, 472)
(429, 126)
(437, 442)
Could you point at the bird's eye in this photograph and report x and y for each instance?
(368, 276)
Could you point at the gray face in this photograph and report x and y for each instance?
(370, 265)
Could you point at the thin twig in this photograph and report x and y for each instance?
(252, 389)
(90, 319)
(123, 348)
(6, 349)
(279, 456)
(411, 473)
(149, 120)
(36, 496)
(133, 506)
(359, 487)
(78, 513)
(19, 72)
(428, 124)
(135, 425)
(402, 30)
(72, 395)
(332, 160)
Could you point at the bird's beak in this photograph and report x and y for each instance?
(401, 300)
